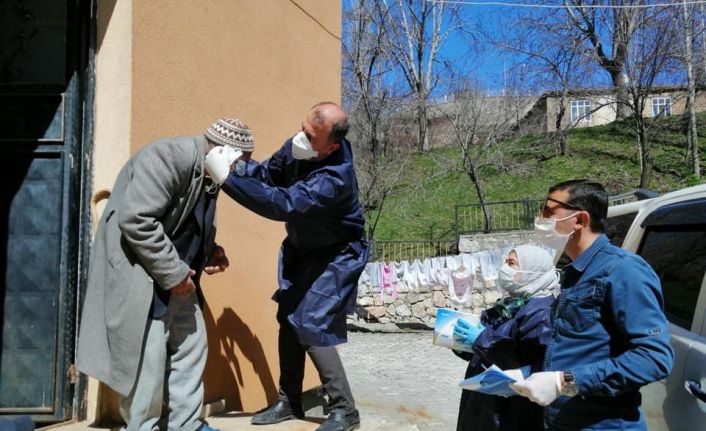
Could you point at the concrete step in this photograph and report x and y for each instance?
(238, 421)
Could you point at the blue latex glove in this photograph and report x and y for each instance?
(466, 332)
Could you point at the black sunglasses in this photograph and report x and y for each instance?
(545, 208)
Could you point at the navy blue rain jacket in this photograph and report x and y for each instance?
(325, 250)
(517, 342)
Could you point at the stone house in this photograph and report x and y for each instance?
(492, 114)
(596, 107)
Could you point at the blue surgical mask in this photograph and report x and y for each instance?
(241, 167)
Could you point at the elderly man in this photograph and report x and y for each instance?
(142, 332)
(310, 184)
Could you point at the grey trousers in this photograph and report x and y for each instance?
(327, 362)
(171, 371)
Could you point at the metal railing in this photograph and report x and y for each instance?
(633, 196)
(396, 251)
(470, 218)
(518, 215)
(622, 198)
(502, 216)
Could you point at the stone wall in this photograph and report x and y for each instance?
(480, 242)
(416, 307)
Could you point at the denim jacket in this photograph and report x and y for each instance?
(610, 331)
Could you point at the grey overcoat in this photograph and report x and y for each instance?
(153, 195)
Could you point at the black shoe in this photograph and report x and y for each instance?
(278, 412)
(339, 421)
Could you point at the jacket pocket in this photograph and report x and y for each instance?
(580, 307)
(116, 248)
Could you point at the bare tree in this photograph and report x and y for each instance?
(549, 45)
(417, 29)
(692, 137)
(366, 62)
(370, 102)
(619, 24)
(650, 57)
(702, 30)
(378, 179)
(475, 123)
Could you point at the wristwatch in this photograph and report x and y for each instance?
(569, 388)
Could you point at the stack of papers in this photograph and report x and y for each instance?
(492, 381)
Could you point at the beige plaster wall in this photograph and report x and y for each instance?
(606, 112)
(113, 93)
(112, 127)
(266, 62)
(679, 102)
(603, 112)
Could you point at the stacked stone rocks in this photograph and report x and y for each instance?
(417, 307)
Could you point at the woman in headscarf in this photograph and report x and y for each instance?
(512, 334)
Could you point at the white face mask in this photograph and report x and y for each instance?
(546, 233)
(218, 162)
(506, 278)
(511, 279)
(301, 147)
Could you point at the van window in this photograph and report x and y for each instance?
(617, 227)
(678, 256)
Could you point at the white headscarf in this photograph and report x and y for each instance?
(537, 275)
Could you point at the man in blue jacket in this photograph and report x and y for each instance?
(610, 334)
(310, 184)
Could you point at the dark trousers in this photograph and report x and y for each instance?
(327, 362)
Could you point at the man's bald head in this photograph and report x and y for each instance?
(331, 116)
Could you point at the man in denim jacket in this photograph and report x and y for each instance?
(610, 334)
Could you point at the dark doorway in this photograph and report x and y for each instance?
(45, 150)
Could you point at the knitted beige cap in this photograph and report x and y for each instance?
(231, 132)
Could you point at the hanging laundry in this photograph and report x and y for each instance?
(445, 280)
(497, 257)
(389, 274)
(412, 277)
(389, 281)
(461, 286)
(437, 277)
(451, 263)
(401, 268)
(459, 260)
(469, 260)
(376, 274)
(485, 261)
(365, 275)
(425, 273)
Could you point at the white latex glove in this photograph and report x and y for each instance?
(218, 162)
(515, 374)
(542, 388)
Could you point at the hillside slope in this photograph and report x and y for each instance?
(423, 207)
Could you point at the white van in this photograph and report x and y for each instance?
(669, 232)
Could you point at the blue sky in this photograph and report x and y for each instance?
(492, 67)
(488, 65)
